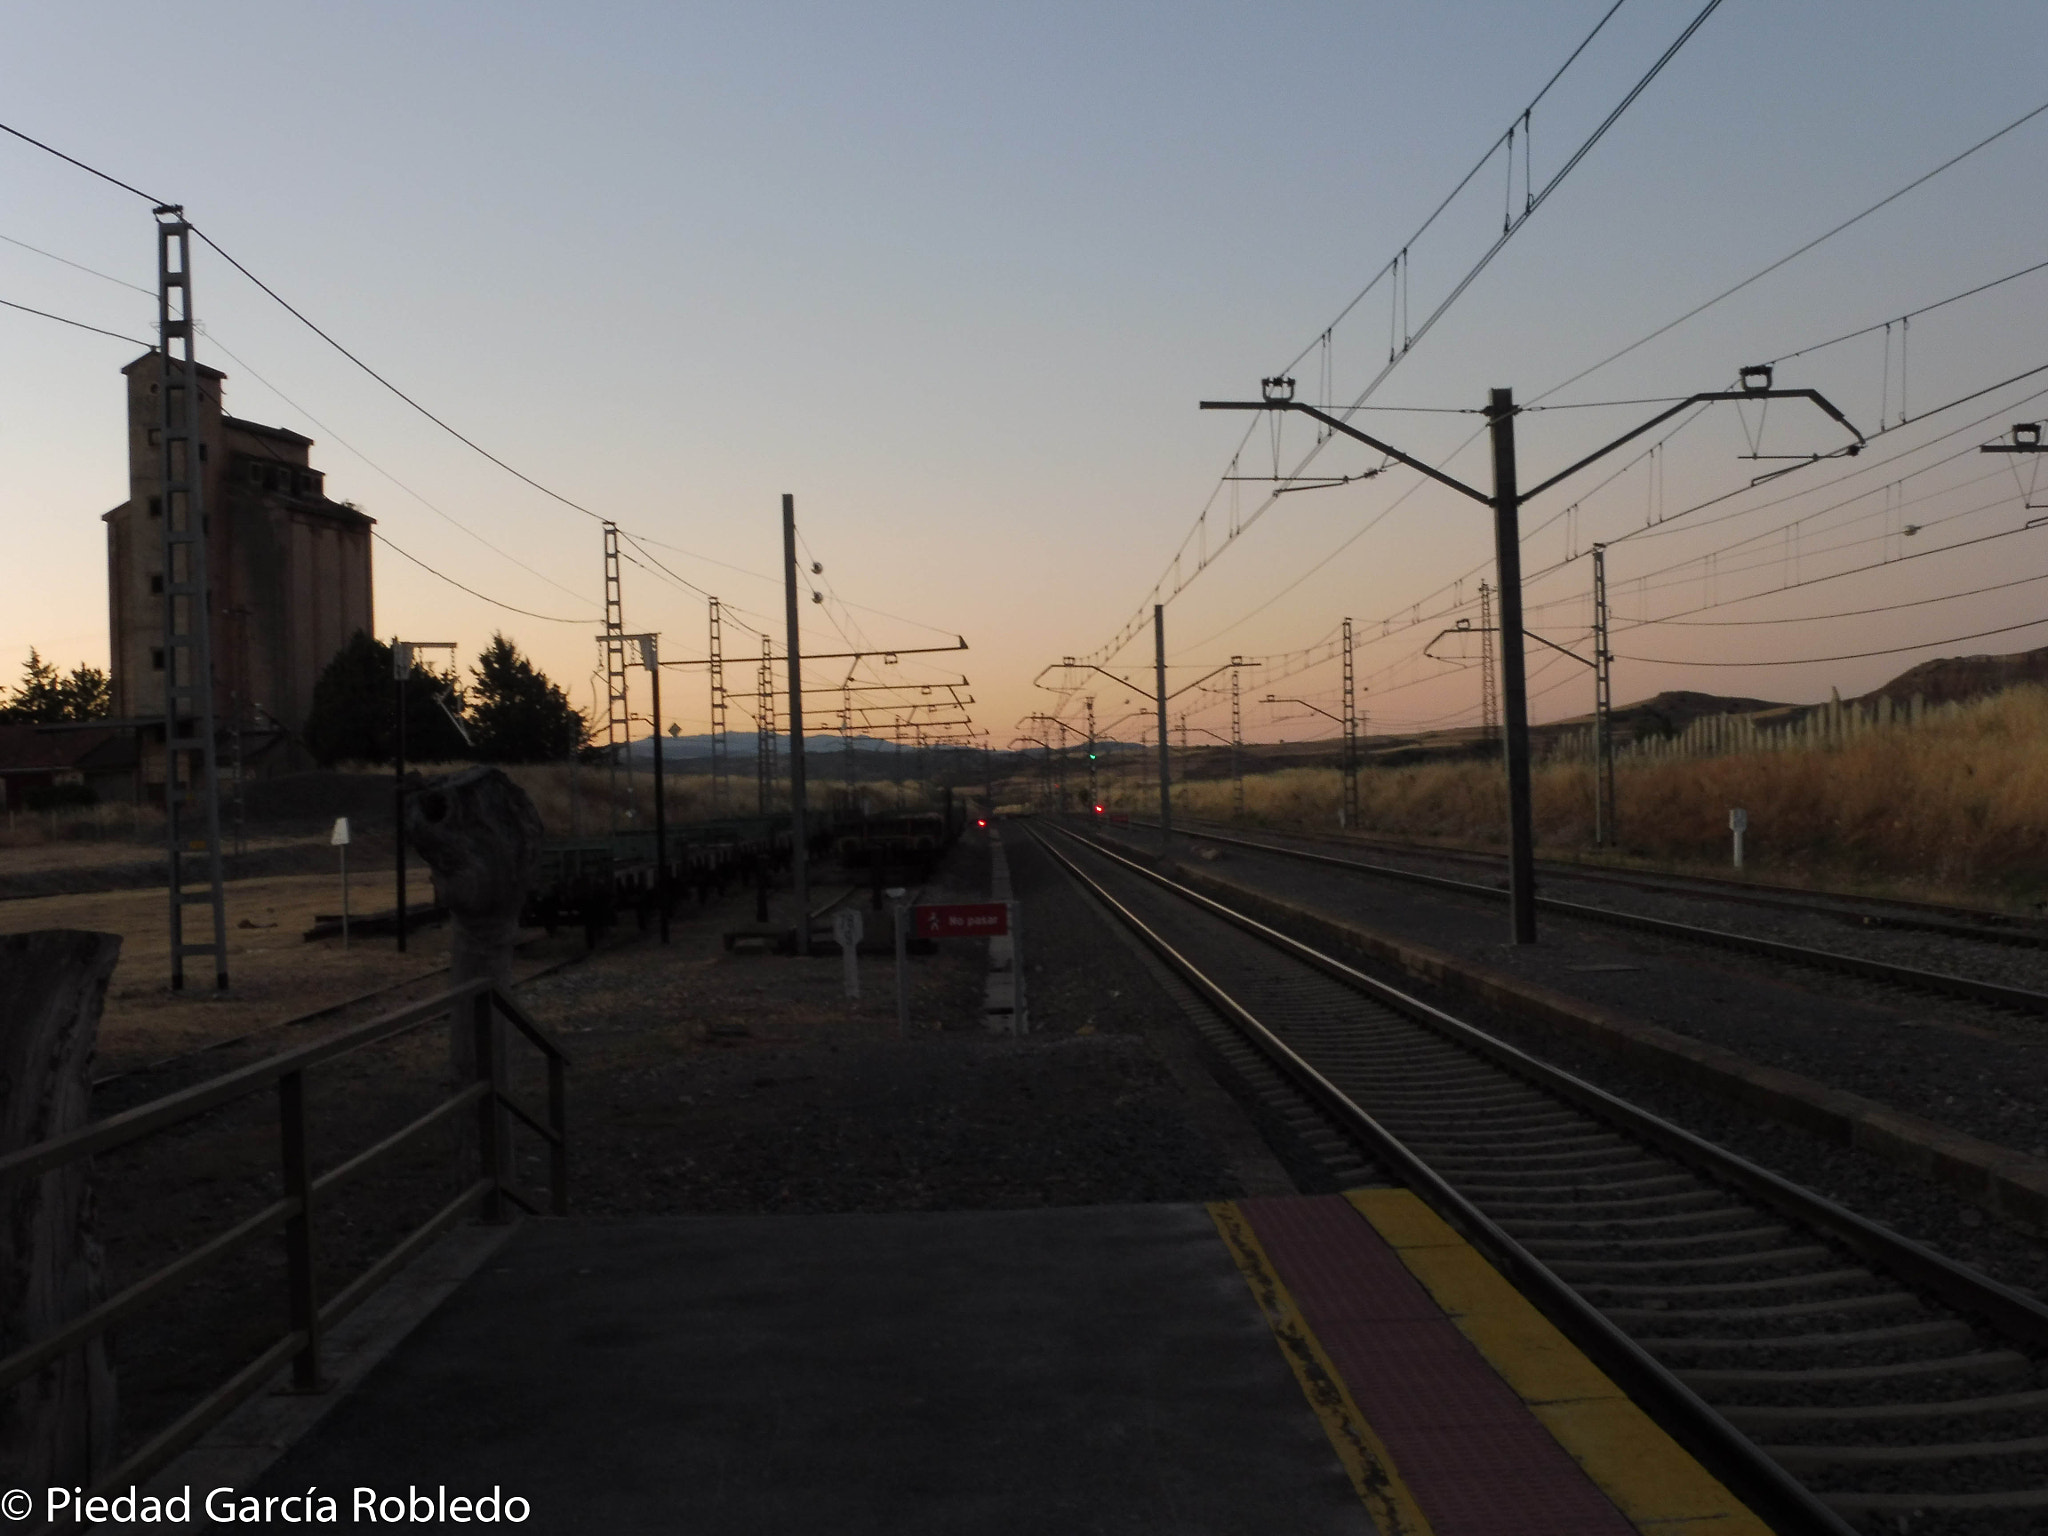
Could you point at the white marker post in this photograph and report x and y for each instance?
(339, 839)
(901, 908)
(849, 928)
(1738, 823)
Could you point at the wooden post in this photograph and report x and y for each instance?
(57, 1428)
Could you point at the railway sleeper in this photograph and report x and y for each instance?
(2004, 1364)
(1844, 1306)
(1936, 1331)
(1755, 1418)
(1587, 1268)
(1721, 1238)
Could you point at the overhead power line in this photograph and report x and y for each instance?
(472, 591)
(1808, 661)
(147, 293)
(1512, 224)
(1792, 256)
(79, 324)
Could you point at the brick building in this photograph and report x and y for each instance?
(289, 571)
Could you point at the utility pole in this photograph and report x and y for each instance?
(721, 741)
(799, 851)
(1159, 692)
(1350, 735)
(1514, 689)
(191, 754)
(1236, 745)
(1506, 501)
(1489, 690)
(1605, 832)
(618, 719)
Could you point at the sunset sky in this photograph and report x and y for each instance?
(957, 276)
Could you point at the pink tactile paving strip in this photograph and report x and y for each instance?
(1476, 1459)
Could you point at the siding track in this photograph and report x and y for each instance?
(1833, 1374)
(1912, 978)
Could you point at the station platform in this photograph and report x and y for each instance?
(1326, 1364)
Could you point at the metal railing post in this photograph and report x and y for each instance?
(558, 1122)
(304, 1305)
(491, 1130)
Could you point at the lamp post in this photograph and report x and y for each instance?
(1505, 499)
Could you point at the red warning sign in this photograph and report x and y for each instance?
(963, 920)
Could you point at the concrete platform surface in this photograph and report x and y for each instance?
(1008, 1373)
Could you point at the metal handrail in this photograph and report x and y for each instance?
(475, 1005)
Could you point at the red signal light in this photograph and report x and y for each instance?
(1098, 810)
(981, 821)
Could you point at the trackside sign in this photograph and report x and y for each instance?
(964, 920)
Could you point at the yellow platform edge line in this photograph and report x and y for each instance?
(1364, 1456)
(1653, 1480)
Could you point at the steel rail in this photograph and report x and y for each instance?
(1943, 982)
(1978, 923)
(2010, 1311)
(1787, 1505)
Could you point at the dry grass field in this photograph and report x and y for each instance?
(1955, 808)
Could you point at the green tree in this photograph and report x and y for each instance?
(517, 715)
(45, 696)
(355, 710)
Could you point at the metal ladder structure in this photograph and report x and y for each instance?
(721, 743)
(1236, 748)
(1603, 709)
(618, 719)
(191, 753)
(1350, 734)
(764, 726)
(1489, 681)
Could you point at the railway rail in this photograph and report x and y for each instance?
(1980, 924)
(1945, 983)
(1827, 1369)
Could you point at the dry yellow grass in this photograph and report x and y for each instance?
(1957, 806)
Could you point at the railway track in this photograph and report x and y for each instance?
(1944, 983)
(1835, 1375)
(1975, 923)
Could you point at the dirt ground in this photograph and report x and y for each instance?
(702, 1079)
(273, 974)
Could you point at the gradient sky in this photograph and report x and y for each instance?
(956, 276)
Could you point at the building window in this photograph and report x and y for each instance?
(156, 584)
(156, 658)
(156, 437)
(156, 506)
(202, 453)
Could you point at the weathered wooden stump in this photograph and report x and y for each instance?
(57, 1427)
(480, 835)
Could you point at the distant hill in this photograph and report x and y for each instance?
(1948, 678)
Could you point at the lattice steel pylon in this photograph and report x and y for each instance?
(1350, 734)
(191, 754)
(764, 726)
(1489, 682)
(618, 721)
(1604, 831)
(1094, 784)
(846, 738)
(721, 744)
(1236, 745)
